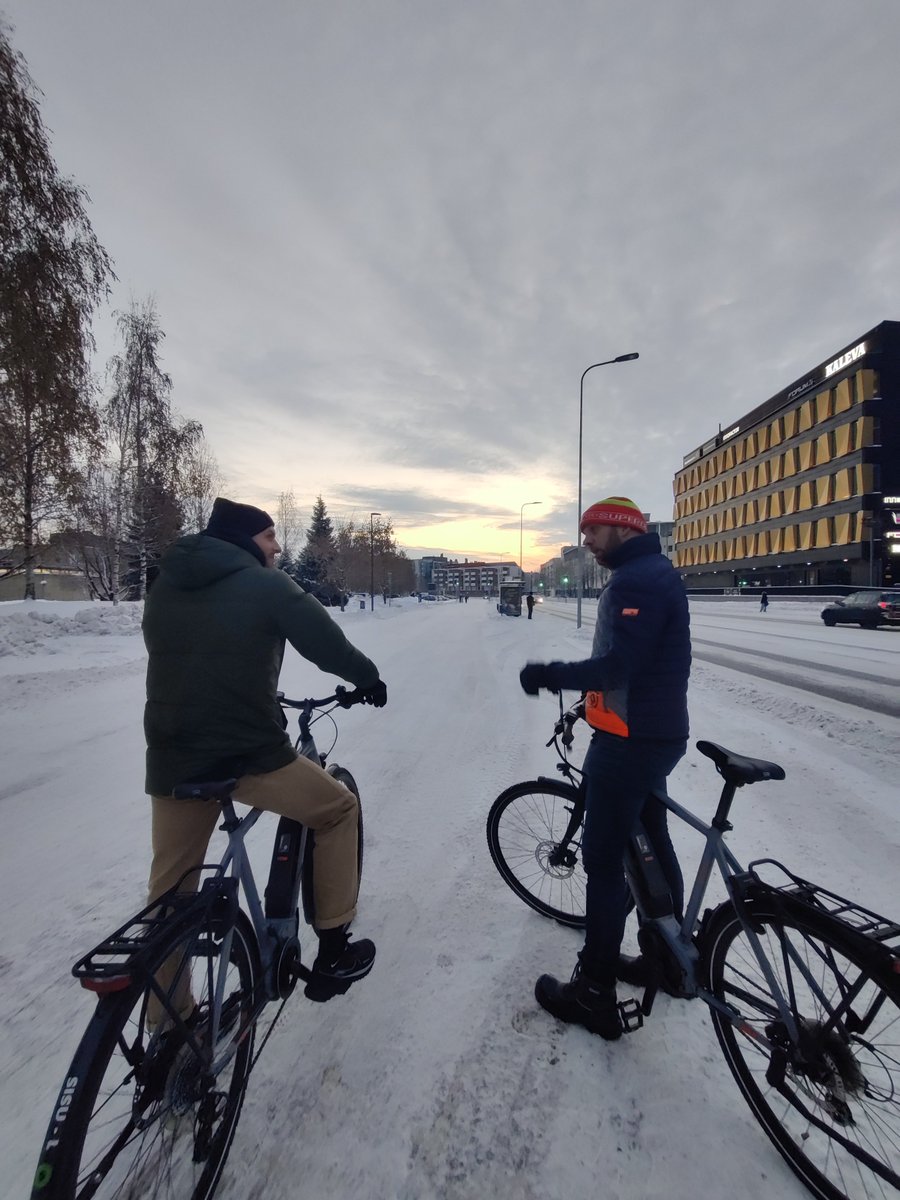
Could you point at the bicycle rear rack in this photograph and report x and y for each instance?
(133, 949)
(861, 920)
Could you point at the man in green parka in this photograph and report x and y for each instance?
(215, 624)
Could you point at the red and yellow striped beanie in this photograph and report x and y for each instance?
(614, 510)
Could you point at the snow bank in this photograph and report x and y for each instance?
(30, 627)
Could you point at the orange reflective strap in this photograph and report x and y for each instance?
(598, 716)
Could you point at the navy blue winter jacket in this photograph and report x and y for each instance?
(641, 656)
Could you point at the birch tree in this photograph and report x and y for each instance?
(152, 448)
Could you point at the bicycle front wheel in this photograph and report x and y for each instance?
(828, 1098)
(525, 828)
(342, 775)
(142, 1113)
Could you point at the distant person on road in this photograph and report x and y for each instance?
(636, 683)
(529, 600)
(764, 602)
(215, 624)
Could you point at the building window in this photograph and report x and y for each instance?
(843, 399)
(824, 405)
(824, 490)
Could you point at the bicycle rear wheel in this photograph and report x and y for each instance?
(147, 1112)
(831, 1104)
(525, 827)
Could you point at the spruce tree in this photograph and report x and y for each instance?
(316, 559)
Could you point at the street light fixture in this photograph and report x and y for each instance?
(521, 515)
(579, 548)
(372, 517)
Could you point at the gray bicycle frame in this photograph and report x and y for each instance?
(235, 864)
(678, 936)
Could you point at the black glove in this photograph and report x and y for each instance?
(376, 694)
(535, 676)
(343, 697)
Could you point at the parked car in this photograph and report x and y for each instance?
(867, 608)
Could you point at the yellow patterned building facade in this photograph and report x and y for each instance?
(805, 489)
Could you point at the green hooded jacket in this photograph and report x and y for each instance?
(215, 624)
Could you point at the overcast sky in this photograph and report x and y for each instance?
(385, 238)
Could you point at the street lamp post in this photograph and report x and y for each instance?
(579, 549)
(372, 517)
(521, 515)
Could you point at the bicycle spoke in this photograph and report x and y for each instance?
(832, 1106)
(526, 826)
(146, 1120)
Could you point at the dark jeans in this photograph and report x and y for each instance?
(621, 774)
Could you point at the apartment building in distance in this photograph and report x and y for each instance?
(805, 488)
(442, 576)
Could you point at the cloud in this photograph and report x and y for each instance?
(386, 240)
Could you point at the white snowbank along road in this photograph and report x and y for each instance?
(438, 1076)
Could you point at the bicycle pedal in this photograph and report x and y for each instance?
(321, 991)
(631, 1014)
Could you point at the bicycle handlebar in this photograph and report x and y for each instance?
(563, 727)
(341, 696)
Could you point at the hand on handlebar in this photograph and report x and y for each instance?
(375, 695)
(535, 676)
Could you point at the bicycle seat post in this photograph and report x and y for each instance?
(720, 820)
(230, 819)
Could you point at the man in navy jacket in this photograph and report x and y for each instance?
(636, 699)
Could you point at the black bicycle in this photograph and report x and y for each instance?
(803, 985)
(150, 1104)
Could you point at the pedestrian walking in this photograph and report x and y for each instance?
(529, 600)
(764, 602)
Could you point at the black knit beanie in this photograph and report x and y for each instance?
(229, 517)
(238, 524)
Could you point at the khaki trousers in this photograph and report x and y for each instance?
(302, 791)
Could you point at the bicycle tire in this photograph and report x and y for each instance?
(128, 1120)
(856, 1094)
(524, 825)
(342, 775)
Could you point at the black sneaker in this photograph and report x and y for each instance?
(333, 975)
(582, 1001)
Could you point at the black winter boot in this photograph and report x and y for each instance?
(583, 1001)
(634, 970)
(339, 963)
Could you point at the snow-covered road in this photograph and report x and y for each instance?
(438, 1076)
(789, 644)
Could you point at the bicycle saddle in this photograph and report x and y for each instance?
(215, 790)
(737, 769)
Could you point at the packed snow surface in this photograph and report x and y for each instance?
(438, 1077)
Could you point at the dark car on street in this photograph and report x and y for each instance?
(868, 608)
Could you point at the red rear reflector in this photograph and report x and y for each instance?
(113, 983)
